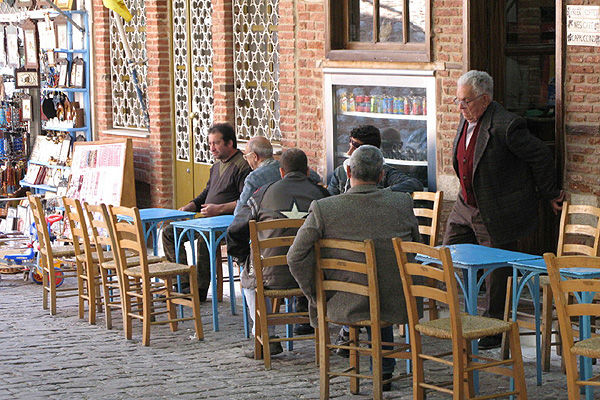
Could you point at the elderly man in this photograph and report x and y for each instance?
(502, 170)
(259, 155)
(369, 134)
(222, 191)
(363, 212)
(289, 197)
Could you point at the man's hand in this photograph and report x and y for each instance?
(191, 206)
(211, 210)
(557, 202)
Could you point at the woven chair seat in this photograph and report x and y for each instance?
(133, 261)
(587, 348)
(108, 255)
(63, 251)
(159, 270)
(473, 327)
(283, 292)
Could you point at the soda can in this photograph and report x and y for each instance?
(400, 105)
(407, 105)
(367, 104)
(424, 105)
(396, 102)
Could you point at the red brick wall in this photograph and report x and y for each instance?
(153, 160)
(582, 116)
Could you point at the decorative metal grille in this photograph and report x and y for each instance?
(193, 58)
(256, 67)
(127, 109)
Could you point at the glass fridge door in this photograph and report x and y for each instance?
(401, 106)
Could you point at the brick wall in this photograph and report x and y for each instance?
(582, 117)
(153, 161)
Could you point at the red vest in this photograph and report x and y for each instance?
(464, 157)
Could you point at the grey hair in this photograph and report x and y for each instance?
(262, 148)
(366, 163)
(480, 81)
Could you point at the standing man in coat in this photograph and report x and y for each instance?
(503, 170)
(363, 212)
(288, 197)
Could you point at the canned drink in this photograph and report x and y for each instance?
(390, 105)
(400, 105)
(407, 105)
(396, 103)
(351, 103)
(367, 104)
(424, 105)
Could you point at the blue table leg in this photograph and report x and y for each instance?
(289, 328)
(231, 286)
(471, 302)
(585, 363)
(213, 278)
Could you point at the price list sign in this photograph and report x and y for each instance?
(583, 26)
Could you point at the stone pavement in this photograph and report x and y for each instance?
(62, 357)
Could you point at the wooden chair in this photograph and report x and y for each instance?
(149, 286)
(101, 229)
(579, 234)
(329, 281)
(90, 273)
(461, 329)
(52, 261)
(576, 289)
(428, 210)
(274, 316)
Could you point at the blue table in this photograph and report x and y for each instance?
(471, 258)
(531, 270)
(152, 217)
(207, 228)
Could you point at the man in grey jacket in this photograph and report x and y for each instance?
(289, 197)
(363, 212)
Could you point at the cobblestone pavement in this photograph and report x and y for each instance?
(62, 357)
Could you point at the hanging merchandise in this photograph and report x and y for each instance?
(12, 46)
(2, 48)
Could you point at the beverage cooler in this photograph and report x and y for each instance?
(400, 103)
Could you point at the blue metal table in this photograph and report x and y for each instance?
(152, 217)
(207, 228)
(530, 271)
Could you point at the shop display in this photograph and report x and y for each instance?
(398, 105)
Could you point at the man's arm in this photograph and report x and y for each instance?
(536, 154)
(334, 182)
(211, 210)
(249, 188)
(238, 234)
(301, 255)
(400, 182)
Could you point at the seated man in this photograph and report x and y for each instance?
(363, 212)
(289, 197)
(393, 178)
(219, 197)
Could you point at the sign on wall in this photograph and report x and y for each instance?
(583, 25)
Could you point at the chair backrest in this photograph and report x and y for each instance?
(78, 227)
(335, 259)
(564, 289)
(129, 237)
(101, 229)
(428, 209)
(271, 252)
(414, 288)
(579, 230)
(41, 226)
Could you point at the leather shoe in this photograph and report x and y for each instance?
(303, 329)
(341, 340)
(490, 342)
(387, 386)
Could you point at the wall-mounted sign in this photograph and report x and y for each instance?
(583, 25)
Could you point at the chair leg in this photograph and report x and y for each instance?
(467, 388)
(376, 362)
(323, 344)
(355, 361)
(45, 285)
(91, 283)
(507, 317)
(547, 307)
(126, 299)
(196, 303)
(517, 357)
(146, 314)
(52, 286)
(417, 370)
(172, 307)
(106, 294)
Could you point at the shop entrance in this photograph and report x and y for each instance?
(515, 41)
(192, 96)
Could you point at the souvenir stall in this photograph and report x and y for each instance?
(44, 58)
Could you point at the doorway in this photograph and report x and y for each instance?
(515, 42)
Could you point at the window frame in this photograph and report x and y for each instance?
(339, 47)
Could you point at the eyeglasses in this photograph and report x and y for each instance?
(247, 155)
(355, 144)
(465, 103)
